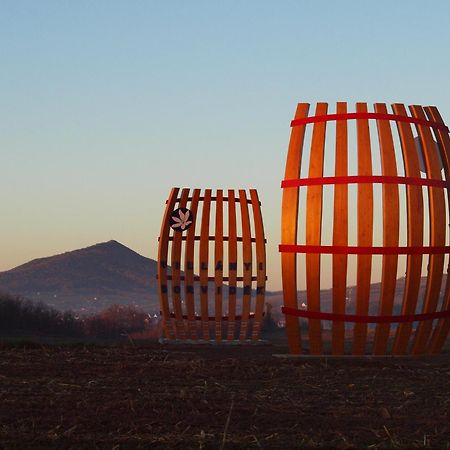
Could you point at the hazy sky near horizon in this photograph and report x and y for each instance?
(105, 105)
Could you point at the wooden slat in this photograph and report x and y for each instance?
(414, 206)
(246, 263)
(340, 232)
(391, 219)
(163, 248)
(314, 229)
(437, 222)
(204, 256)
(365, 230)
(175, 265)
(232, 265)
(260, 264)
(442, 329)
(218, 263)
(289, 217)
(189, 276)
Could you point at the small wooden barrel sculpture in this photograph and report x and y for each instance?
(422, 321)
(187, 298)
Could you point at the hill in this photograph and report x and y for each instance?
(91, 279)
(87, 280)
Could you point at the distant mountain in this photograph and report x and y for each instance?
(93, 278)
(87, 280)
(326, 299)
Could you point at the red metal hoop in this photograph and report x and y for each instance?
(364, 319)
(355, 179)
(355, 250)
(368, 115)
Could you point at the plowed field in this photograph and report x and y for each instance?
(201, 397)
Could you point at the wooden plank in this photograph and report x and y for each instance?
(189, 276)
(204, 260)
(365, 230)
(414, 206)
(175, 265)
(289, 224)
(340, 232)
(442, 328)
(437, 222)
(218, 264)
(246, 264)
(314, 229)
(260, 264)
(232, 265)
(391, 220)
(163, 249)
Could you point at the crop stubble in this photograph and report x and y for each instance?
(183, 397)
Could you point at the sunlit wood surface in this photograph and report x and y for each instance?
(289, 211)
(212, 275)
(378, 138)
(340, 231)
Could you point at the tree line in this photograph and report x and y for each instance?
(22, 317)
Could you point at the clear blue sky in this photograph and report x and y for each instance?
(106, 105)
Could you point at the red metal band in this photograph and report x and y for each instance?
(212, 318)
(367, 115)
(364, 179)
(355, 250)
(364, 319)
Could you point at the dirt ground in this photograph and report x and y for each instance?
(202, 397)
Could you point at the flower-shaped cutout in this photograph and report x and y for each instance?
(181, 219)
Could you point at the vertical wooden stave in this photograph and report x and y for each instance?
(391, 221)
(314, 229)
(232, 264)
(260, 248)
(204, 263)
(163, 249)
(218, 264)
(437, 232)
(246, 264)
(443, 326)
(340, 232)
(289, 224)
(365, 230)
(414, 203)
(175, 264)
(189, 276)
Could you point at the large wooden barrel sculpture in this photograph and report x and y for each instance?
(212, 265)
(354, 198)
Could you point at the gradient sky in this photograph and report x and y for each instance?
(106, 105)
